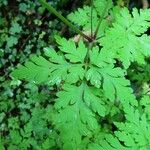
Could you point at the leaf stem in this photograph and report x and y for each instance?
(91, 18)
(63, 19)
(100, 20)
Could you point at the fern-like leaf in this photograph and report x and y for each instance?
(126, 45)
(82, 17)
(76, 107)
(135, 132)
(113, 82)
(57, 68)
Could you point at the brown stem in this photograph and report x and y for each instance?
(145, 4)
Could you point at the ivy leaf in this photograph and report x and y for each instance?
(15, 28)
(11, 41)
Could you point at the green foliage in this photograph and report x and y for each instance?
(127, 42)
(82, 17)
(80, 95)
(20, 36)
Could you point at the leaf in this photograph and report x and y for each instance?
(11, 41)
(75, 17)
(135, 131)
(116, 87)
(94, 76)
(103, 7)
(94, 101)
(126, 41)
(72, 53)
(75, 73)
(76, 107)
(37, 70)
(15, 28)
(93, 105)
(144, 44)
(105, 141)
(112, 79)
(113, 143)
(145, 104)
(100, 58)
(1, 145)
(15, 137)
(57, 69)
(82, 17)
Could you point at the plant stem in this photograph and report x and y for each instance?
(91, 18)
(90, 47)
(100, 20)
(128, 1)
(63, 19)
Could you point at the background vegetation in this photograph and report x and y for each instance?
(26, 28)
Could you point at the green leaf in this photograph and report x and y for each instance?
(82, 17)
(96, 102)
(76, 107)
(72, 53)
(39, 70)
(11, 41)
(94, 76)
(91, 103)
(145, 104)
(1, 145)
(103, 6)
(15, 137)
(111, 79)
(126, 41)
(1, 52)
(15, 28)
(75, 17)
(135, 132)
